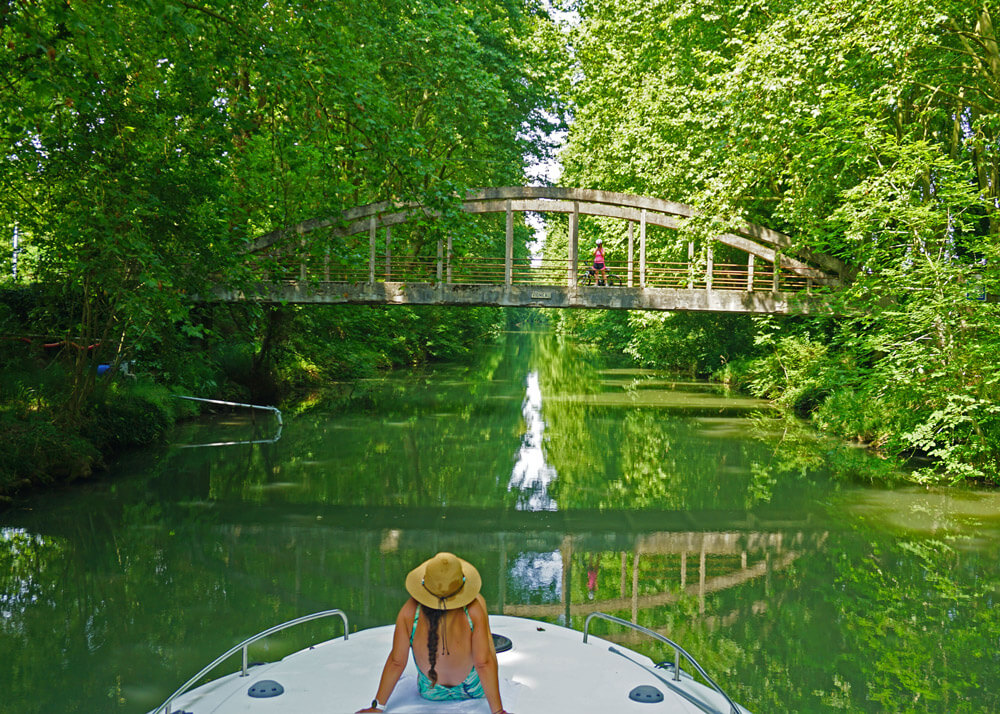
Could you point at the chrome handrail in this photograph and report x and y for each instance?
(678, 652)
(245, 645)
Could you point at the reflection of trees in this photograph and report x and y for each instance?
(451, 436)
(441, 437)
(26, 559)
(870, 624)
(922, 608)
(793, 620)
(662, 452)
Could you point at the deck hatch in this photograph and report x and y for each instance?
(646, 694)
(265, 689)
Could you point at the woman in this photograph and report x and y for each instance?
(599, 270)
(446, 624)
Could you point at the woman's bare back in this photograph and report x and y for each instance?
(454, 646)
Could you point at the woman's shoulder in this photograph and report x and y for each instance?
(477, 608)
(408, 610)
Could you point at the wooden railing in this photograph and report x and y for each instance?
(458, 270)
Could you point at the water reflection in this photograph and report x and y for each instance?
(532, 474)
(257, 438)
(535, 577)
(615, 576)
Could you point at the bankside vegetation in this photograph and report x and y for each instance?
(148, 144)
(868, 131)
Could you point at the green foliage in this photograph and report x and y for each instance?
(345, 342)
(797, 373)
(127, 415)
(853, 414)
(690, 343)
(865, 131)
(606, 329)
(150, 144)
(685, 343)
(34, 451)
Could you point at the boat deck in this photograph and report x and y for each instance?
(548, 669)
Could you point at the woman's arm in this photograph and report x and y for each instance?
(484, 656)
(396, 662)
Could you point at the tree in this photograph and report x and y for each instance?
(864, 131)
(152, 143)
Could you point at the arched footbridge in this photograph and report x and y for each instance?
(774, 277)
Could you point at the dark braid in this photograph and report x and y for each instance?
(434, 617)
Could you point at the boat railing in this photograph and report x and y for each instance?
(679, 652)
(245, 646)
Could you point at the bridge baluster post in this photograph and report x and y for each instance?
(701, 580)
(448, 260)
(440, 263)
(690, 265)
(635, 584)
(749, 272)
(574, 230)
(776, 278)
(631, 242)
(642, 249)
(372, 228)
(508, 265)
(709, 267)
(388, 253)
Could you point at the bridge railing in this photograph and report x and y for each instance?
(464, 270)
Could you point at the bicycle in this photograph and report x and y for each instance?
(589, 277)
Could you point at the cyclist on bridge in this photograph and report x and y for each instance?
(599, 269)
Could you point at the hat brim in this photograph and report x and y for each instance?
(468, 593)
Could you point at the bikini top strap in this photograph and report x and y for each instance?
(416, 616)
(413, 630)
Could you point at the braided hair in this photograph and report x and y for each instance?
(434, 617)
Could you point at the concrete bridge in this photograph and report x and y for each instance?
(774, 277)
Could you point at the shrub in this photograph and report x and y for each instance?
(798, 373)
(854, 414)
(36, 451)
(131, 415)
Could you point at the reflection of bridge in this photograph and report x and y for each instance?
(783, 281)
(653, 569)
(759, 555)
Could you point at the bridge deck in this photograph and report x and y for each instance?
(556, 296)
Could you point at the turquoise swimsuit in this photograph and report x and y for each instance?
(470, 688)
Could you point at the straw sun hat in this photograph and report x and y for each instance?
(444, 582)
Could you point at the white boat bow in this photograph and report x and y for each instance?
(547, 668)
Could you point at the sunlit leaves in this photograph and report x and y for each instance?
(151, 141)
(864, 130)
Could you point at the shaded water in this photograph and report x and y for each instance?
(573, 488)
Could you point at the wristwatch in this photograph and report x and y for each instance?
(376, 705)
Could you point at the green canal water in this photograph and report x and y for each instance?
(574, 488)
